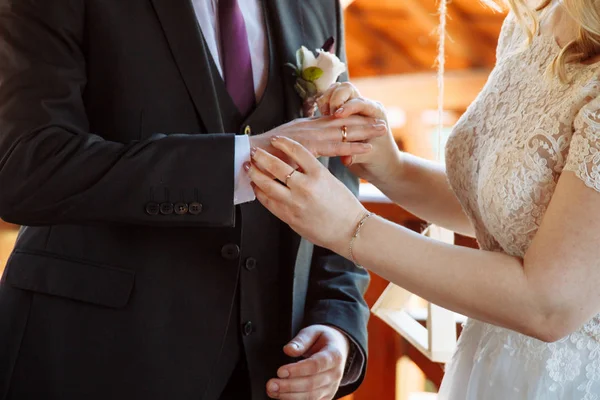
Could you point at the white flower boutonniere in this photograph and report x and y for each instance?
(314, 75)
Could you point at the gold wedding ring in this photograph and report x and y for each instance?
(287, 178)
(344, 129)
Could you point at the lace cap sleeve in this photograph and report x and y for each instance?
(505, 40)
(584, 153)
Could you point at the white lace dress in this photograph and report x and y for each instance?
(504, 159)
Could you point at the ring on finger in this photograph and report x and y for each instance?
(344, 129)
(287, 178)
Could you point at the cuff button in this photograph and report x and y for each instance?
(195, 208)
(248, 130)
(166, 208)
(181, 208)
(152, 208)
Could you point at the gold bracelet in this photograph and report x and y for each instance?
(356, 232)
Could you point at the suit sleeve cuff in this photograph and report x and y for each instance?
(354, 365)
(242, 192)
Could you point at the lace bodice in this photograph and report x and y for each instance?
(504, 159)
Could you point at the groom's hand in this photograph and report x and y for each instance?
(324, 136)
(319, 375)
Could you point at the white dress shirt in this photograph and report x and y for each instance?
(208, 19)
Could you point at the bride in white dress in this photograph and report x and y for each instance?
(523, 166)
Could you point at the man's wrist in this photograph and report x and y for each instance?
(260, 141)
(347, 340)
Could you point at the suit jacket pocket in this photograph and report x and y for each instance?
(80, 280)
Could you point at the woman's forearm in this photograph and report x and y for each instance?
(484, 285)
(421, 187)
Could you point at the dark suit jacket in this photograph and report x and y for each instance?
(134, 275)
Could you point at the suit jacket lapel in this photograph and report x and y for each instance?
(193, 58)
(288, 37)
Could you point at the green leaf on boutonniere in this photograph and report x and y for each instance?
(299, 58)
(301, 91)
(297, 72)
(309, 88)
(312, 74)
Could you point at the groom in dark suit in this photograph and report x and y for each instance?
(144, 270)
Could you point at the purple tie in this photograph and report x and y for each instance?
(237, 62)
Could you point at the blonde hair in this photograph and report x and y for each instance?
(586, 45)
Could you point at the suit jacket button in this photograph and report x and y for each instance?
(230, 252)
(247, 328)
(166, 208)
(152, 208)
(181, 208)
(251, 263)
(248, 130)
(195, 208)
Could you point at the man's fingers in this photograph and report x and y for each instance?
(303, 341)
(297, 153)
(318, 363)
(319, 394)
(354, 133)
(336, 149)
(358, 133)
(335, 122)
(303, 384)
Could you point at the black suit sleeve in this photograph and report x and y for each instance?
(53, 170)
(336, 285)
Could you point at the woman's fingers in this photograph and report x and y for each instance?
(323, 100)
(336, 96)
(271, 165)
(360, 106)
(297, 153)
(275, 207)
(341, 95)
(271, 188)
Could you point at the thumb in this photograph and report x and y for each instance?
(303, 341)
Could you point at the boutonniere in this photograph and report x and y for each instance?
(314, 75)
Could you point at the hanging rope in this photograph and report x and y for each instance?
(492, 4)
(441, 64)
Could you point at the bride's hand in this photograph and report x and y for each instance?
(314, 203)
(343, 100)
